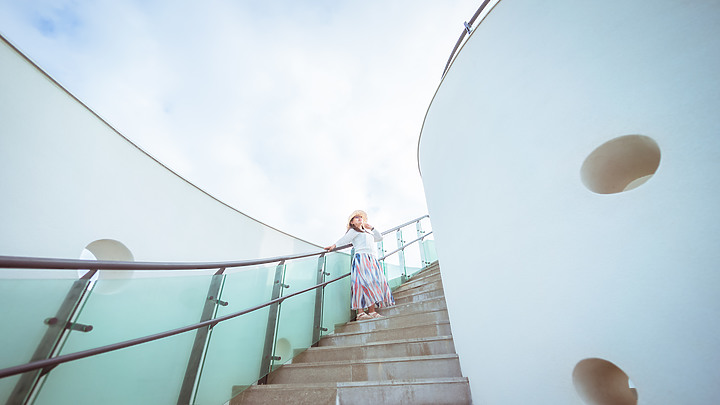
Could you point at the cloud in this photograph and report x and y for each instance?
(294, 112)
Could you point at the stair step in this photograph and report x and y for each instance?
(377, 350)
(394, 321)
(305, 394)
(439, 328)
(402, 299)
(413, 283)
(441, 391)
(431, 366)
(432, 304)
(419, 288)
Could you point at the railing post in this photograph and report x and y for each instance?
(57, 331)
(202, 337)
(401, 255)
(381, 253)
(319, 297)
(420, 234)
(267, 356)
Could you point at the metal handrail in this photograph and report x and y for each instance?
(404, 246)
(18, 262)
(48, 364)
(466, 31)
(405, 224)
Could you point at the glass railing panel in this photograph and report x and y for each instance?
(295, 321)
(336, 303)
(122, 309)
(430, 252)
(234, 353)
(26, 302)
(393, 274)
(150, 373)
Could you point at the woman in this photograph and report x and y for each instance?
(369, 286)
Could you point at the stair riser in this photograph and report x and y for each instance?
(298, 396)
(416, 394)
(409, 349)
(443, 392)
(419, 297)
(421, 331)
(412, 308)
(393, 322)
(376, 371)
(419, 289)
(418, 282)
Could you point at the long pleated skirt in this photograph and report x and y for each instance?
(369, 285)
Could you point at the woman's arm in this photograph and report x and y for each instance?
(376, 234)
(347, 238)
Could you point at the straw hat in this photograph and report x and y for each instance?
(354, 214)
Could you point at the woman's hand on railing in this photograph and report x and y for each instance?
(330, 247)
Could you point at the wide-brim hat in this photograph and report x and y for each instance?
(354, 214)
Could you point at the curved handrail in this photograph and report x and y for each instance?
(404, 246)
(465, 32)
(405, 224)
(18, 262)
(49, 364)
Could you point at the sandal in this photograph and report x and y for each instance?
(375, 315)
(362, 316)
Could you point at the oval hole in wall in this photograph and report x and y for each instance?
(600, 382)
(283, 349)
(109, 281)
(621, 164)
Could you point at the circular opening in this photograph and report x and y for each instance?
(621, 164)
(600, 382)
(109, 281)
(283, 349)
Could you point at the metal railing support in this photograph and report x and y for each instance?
(401, 255)
(420, 234)
(381, 253)
(202, 337)
(267, 356)
(58, 329)
(319, 299)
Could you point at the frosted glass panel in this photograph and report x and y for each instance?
(150, 373)
(430, 252)
(394, 274)
(296, 317)
(234, 353)
(119, 310)
(336, 304)
(25, 304)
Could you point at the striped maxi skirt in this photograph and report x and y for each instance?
(369, 285)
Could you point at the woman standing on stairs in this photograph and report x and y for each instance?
(369, 286)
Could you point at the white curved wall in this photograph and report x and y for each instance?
(539, 271)
(69, 179)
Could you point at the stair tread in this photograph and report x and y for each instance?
(370, 361)
(409, 381)
(395, 316)
(386, 342)
(405, 304)
(341, 334)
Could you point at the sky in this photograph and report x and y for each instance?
(295, 112)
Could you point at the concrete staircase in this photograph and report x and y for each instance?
(406, 358)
